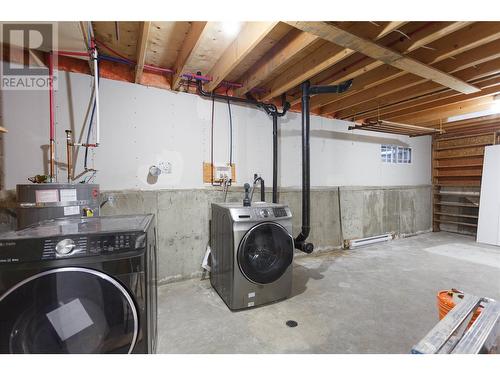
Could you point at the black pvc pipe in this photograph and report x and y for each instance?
(275, 159)
(270, 109)
(300, 241)
(262, 187)
(286, 107)
(337, 89)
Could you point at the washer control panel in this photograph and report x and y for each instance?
(264, 212)
(255, 212)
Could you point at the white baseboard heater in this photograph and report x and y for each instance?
(351, 244)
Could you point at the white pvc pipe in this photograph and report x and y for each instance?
(96, 95)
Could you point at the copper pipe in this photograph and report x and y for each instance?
(52, 156)
(69, 154)
(51, 119)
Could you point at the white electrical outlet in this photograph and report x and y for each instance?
(165, 167)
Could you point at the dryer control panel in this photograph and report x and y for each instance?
(60, 247)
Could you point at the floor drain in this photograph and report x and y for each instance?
(291, 323)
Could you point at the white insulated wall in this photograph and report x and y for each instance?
(143, 126)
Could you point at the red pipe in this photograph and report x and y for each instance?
(51, 116)
(71, 53)
(231, 84)
(158, 69)
(197, 76)
(166, 70)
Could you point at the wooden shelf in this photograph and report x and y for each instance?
(460, 175)
(455, 222)
(454, 184)
(458, 166)
(456, 204)
(463, 146)
(455, 215)
(458, 194)
(444, 137)
(458, 156)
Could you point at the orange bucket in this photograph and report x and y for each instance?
(446, 300)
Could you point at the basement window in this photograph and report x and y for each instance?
(395, 154)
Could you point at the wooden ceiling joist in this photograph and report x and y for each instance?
(320, 60)
(377, 97)
(473, 35)
(324, 57)
(417, 72)
(186, 52)
(488, 87)
(369, 48)
(480, 62)
(142, 42)
(417, 40)
(249, 37)
(435, 115)
(284, 52)
(390, 27)
(427, 35)
(381, 98)
(429, 99)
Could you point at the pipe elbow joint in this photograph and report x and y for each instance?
(305, 247)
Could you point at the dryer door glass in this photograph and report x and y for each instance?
(68, 310)
(265, 252)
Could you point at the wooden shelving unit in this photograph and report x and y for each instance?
(457, 165)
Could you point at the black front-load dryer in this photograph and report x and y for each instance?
(83, 285)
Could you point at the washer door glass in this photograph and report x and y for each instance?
(68, 310)
(265, 252)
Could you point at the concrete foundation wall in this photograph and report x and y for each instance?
(369, 211)
(183, 216)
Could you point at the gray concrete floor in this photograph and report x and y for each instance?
(376, 299)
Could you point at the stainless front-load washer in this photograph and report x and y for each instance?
(252, 253)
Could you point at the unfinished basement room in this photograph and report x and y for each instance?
(249, 186)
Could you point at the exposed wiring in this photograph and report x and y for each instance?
(88, 136)
(90, 123)
(374, 23)
(212, 145)
(427, 47)
(123, 59)
(402, 33)
(90, 177)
